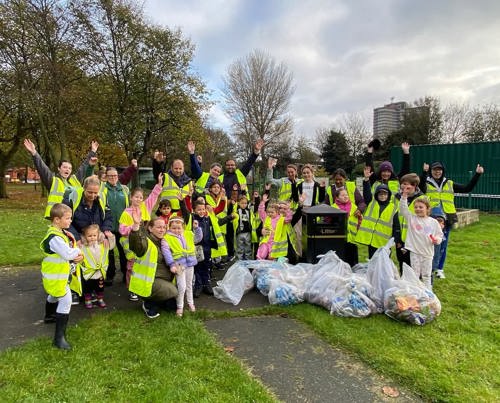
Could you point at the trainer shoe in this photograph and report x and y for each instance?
(207, 289)
(440, 274)
(150, 312)
(75, 299)
(133, 297)
(197, 292)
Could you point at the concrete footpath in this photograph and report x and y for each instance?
(284, 354)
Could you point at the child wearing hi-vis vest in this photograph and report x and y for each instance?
(137, 203)
(274, 243)
(181, 257)
(354, 218)
(95, 249)
(59, 270)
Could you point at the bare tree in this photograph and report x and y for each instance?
(357, 134)
(257, 92)
(455, 118)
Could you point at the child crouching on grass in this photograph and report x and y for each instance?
(181, 257)
(58, 270)
(423, 233)
(95, 249)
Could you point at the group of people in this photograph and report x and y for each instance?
(209, 218)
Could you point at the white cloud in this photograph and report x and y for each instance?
(348, 56)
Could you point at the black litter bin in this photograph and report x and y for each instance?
(324, 228)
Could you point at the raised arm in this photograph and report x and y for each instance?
(91, 159)
(126, 176)
(196, 170)
(46, 175)
(458, 188)
(247, 166)
(405, 167)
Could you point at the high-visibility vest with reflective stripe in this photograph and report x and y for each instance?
(178, 251)
(285, 192)
(279, 247)
(211, 202)
(392, 184)
(242, 179)
(255, 220)
(236, 223)
(103, 193)
(57, 190)
(351, 188)
(76, 197)
(376, 228)
(219, 237)
(143, 271)
(170, 191)
(90, 265)
(292, 236)
(443, 196)
(55, 269)
(202, 181)
(352, 222)
(124, 242)
(402, 221)
(126, 218)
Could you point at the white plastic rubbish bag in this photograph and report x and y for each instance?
(353, 299)
(281, 293)
(237, 281)
(381, 273)
(409, 301)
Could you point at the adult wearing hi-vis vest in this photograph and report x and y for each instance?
(203, 179)
(175, 180)
(60, 183)
(235, 183)
(440, 191)
(385, 174)
(151, 277)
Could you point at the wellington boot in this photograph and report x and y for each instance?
(60, 336)
(50, 312)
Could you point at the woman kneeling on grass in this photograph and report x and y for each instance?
(151, 278)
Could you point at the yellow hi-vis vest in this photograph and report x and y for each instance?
(211, 202)
(219, 238)
(143, 271)
(124, 242)
(56, 270)
(76, 198)
(352, 222)
(178, 251)
(57, 189)
(442, 196)
(392, 184)
(126, 219)
(279, 247)
(202, 181)
(236, 223)
(285, 192)
(242, 179)
(90, 265)
(292, 236)
(351, 188)
(103, 193)
(170, 190)
(376, 228)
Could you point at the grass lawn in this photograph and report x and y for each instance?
(124, 357)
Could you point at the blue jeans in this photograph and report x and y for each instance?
(440, 250)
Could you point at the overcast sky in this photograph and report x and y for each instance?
(347, 56)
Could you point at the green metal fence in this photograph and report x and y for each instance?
(460, 161)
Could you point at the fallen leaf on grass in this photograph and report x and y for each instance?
(229, 349)
(390, 391)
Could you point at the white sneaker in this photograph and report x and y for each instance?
(440, 274)
(133, 297)
(75, 299)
